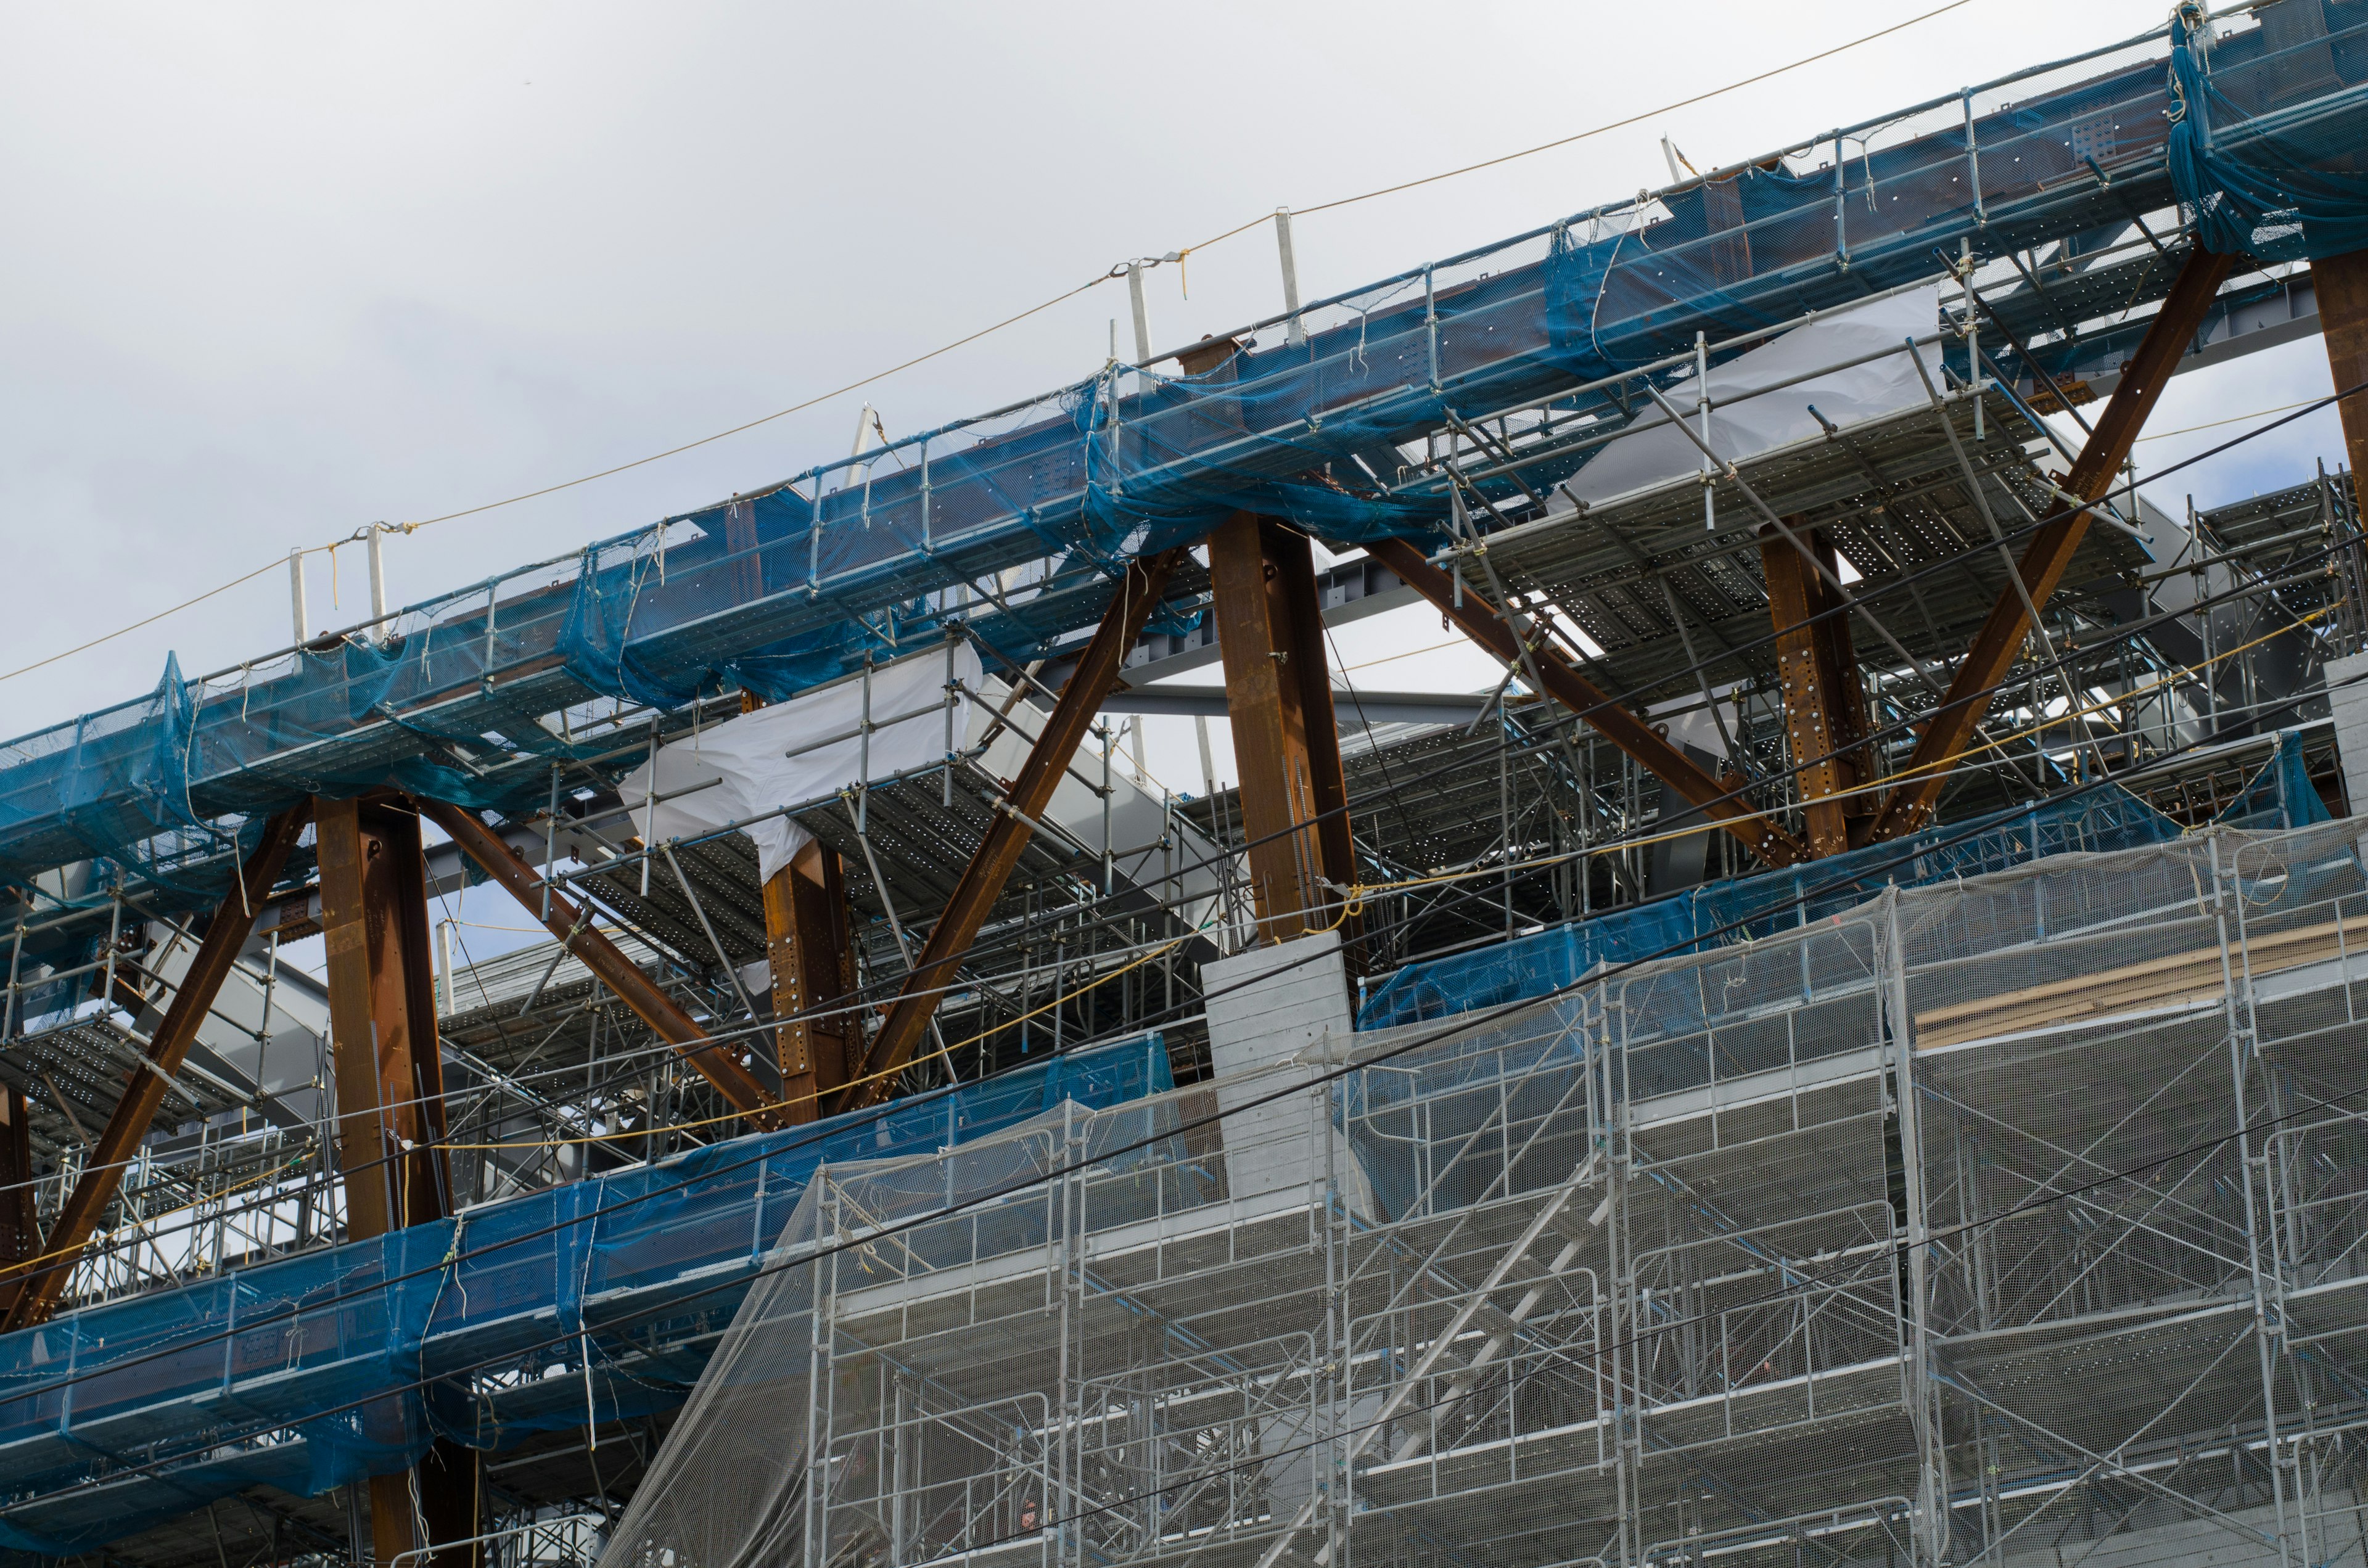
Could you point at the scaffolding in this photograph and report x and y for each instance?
(2017, 1217)
(1940, 1222)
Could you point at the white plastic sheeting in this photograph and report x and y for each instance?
(763, 761)
(1654, 453)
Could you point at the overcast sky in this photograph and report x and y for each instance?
(269, 274)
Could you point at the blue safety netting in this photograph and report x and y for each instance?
(2255, 179)
(295, 1373)
(1017, 521)
(2278, 795)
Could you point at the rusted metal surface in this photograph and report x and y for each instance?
(1909, 805)
(1286, 742)
(382, 985)
(807, 946)
(2342, 285)
(1825, 700)
(390, 1119)
(1480, 621)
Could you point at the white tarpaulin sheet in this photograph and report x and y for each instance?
(1654, 453)
(763, 761)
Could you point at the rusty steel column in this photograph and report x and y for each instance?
(811, 954)
(20, 1235)
(1286, 747)
(2341, 284)
(1824, 699)
(391, 1129)
(381, 1015)
(31, 1296)
(1311, 666)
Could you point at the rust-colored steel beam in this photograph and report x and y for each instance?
(982, 880)
(33, 1293)
(720, 1064)
(20, 1232)
(2341, 284)
(1825, 703)
(1286, 739)
(811, 954)
(1479, 620)
(1910, 803)
(382, 984)
(391, 1124)
(1310, 662)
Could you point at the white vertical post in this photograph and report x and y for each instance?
(1142, 317)
(296, 611)
(377, 580)
(1701, 409)
(863, 424)
(444, 936)
(1973, 333)
(649, 809)
(1208, 758)
(1296, 333)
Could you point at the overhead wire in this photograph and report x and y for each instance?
(1886, 584)
(1013, 320)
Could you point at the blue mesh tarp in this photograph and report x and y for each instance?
(2280, 794)
(468, 697)
(613, 1257)
(2256, 177)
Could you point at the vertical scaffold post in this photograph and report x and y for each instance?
(1931, 1489)
(1431, 325)
(297, 616)
(1701, 415)
(1295, 331)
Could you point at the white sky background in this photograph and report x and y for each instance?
(267, 275)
